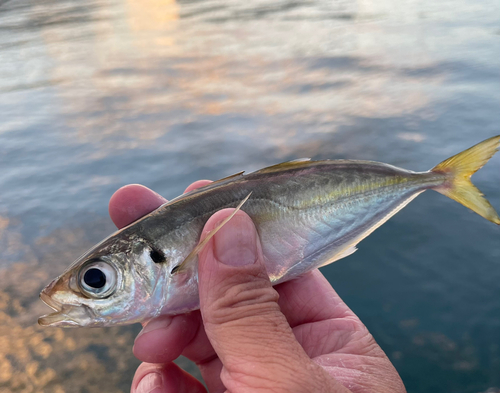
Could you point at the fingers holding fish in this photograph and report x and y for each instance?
(131, 202)
(182, 335)
(309, 303)
(164, 339)
(162, 349)
(164, 378)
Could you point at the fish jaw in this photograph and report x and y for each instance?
(71, 308)
(56, 319)
(64, 315)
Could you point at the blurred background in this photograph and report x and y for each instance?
(98, 94)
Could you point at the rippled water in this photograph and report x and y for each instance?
(98, 94)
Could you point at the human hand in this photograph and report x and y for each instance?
(246, 338)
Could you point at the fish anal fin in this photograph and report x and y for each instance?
(344, 253)
(192, 255)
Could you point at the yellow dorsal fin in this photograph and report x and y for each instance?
(203, 243)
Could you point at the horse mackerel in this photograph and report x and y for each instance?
(307, 214)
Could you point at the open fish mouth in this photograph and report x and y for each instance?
(59, 317)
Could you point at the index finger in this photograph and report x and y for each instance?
(131, 202)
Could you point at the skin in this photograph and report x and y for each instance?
(248, 336)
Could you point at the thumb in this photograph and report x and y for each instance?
(242, 319)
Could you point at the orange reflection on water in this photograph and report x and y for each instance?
(134, 78)
(147, 15)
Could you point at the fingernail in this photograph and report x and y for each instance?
(154, 324)
(236, 242)
(150, 383)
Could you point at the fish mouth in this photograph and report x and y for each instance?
(59, 317)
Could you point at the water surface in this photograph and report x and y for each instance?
(104, 93)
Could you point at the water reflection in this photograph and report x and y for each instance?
(131, 80)
(111, 92)
(152, 15)
(34, 359)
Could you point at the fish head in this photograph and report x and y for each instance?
(115, 283)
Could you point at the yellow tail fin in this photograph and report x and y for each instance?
(460, 168)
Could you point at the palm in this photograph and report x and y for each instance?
(332, 335)
(326, 328)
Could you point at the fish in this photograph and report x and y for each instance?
(307, 213)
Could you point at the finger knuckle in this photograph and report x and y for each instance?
(241, 300)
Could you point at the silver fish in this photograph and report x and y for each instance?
(307, 213)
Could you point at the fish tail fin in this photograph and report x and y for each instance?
(458, 170)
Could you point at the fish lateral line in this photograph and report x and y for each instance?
(203, 243)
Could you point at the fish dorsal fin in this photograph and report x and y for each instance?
(218, 182)
(231, 177)
(183, 266)
(209, 186)
(285, 165)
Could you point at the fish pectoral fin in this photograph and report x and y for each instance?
(342, 254)
(199, 247)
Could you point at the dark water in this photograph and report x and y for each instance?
(98, 94)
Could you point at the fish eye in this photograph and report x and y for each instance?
(95, 278)
(98, 279)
